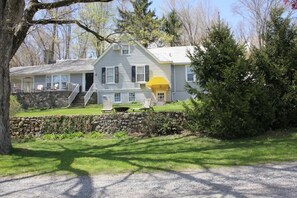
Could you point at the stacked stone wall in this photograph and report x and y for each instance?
(107, 123)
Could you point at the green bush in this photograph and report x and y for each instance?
(120, 135)
(94, 135)
(15, 106)
(158, 124)
(76, 135)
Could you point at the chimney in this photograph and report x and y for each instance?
(48, 57)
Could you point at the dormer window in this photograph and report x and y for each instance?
(125, 49)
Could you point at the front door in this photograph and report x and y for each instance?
(89, 80)
(161, 97)
(28, 84)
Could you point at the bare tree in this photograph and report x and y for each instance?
(16, 19)
(196, 18)
(256, 12)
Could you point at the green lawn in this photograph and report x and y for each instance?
(109, 155)
(93, 110)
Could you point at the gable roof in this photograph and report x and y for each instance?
(63, 66)
(176, 55)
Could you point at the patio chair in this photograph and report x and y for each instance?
(107, 105)
(39, 88)
(145, 106)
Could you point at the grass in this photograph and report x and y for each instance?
(93, 110)
(89, 156)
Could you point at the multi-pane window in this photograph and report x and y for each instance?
(110, 75)
(117, 97)
(64, 81)
(57, 81)
(140, 74)
(190, 74)
(161, 97)
(131, 97)
(125, 49)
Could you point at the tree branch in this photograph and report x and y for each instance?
(78, 23)
(33, 7)
(59, 4)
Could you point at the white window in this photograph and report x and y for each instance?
(131, 97)
(125, 49)
(190, 76)
(110, 75)
(161, 97)
(140, 74)
(64, 81)
(117, 97)
(57, 81)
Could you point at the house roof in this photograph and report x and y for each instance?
(62, 66)
(176, 55)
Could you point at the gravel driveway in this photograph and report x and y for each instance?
(246, 181)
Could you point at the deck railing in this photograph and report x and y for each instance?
(89, 94)
(38, 87)
(73, 94)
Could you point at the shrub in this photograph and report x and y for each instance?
(15, 106)
(64, 136)
(120, 135)
(94, 135)
(157, 124)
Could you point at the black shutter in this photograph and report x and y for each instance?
(147, 73)
(133, 74)
(116, 70)
(103, 75)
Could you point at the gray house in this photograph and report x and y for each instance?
(53, 85)
(125, 72)
(129, 72)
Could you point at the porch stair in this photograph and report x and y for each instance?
(79, 100)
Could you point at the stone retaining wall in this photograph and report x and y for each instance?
(43, 99)
(108, 123)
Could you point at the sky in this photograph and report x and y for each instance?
(224, 7)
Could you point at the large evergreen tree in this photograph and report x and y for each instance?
(172, 26)
(142, 23)
(276, 60)
(232, 102)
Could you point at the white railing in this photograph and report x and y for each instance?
(73, 94)
(89, 94)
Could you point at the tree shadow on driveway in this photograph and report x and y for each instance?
(82, 184)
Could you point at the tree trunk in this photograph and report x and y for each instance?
(10, 15)
(6, 39)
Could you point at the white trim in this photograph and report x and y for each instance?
(109, 67)
(165, 98)
(115, 97)
(186, 72)
(129, 49)
(136, 81)
(60, 82)
(129, 96)
(31, 85)
(83, 84)
(141, 46)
